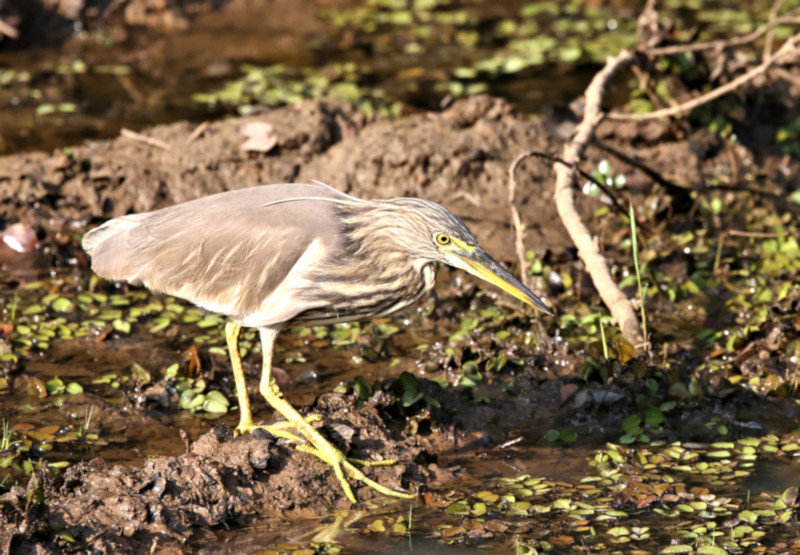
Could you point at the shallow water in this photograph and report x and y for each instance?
(114, 421)
(142, 77)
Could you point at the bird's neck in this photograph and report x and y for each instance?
(374, 257)
(381, 234)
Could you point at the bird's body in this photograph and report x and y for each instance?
(275, 254)
(242, 253)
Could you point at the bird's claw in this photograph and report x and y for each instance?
(334, 457)
(277, 429)
(327, 453)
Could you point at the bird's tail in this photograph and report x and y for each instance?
(111, 228)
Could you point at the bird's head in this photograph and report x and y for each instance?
(433, 233)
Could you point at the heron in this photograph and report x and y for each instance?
(274, 255)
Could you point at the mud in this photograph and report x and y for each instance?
(459, 158)
(222, 481)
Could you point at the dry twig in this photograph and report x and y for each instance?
(519, 228)
(8, 30)
(565, 167)
(790, 18)
(198, 132)
(129, 134)
(789, 48)
(617, 302)
(612, 197)
(768, 40)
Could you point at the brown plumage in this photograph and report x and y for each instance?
(267, 256)
(226, 252)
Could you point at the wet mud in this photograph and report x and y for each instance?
(225, 481)
(459, 158)
(222, 482)
(186, 488)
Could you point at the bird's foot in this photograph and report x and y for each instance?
(316, 444)
(329, 454)
(326, 452)
(278, 429)
(246, 426)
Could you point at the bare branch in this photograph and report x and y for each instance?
(519, 228)
(768, 40)
(565, 166)
(612, 197)
(788, 48)
(618, 304)
(790, 18)
(127, 133)
(8, 30)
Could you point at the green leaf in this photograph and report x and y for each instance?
(185, 400)
(568, 435)
(552, 435)
(710, 550)
(677, 549)
(141, 373)
(748, 516)
(121, 326)
(653, 417)
(458, 508)
(217, 397)
(632, 424)
(213, 405)
(63, 304)
(74, 388)
(410, 397)
(58, 464)
(409, 382)
(627, 439)
(172, 370)
(54, 386)
(363, 388)
(45, 109)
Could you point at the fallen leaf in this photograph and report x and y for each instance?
(260, 136)
(19, 237)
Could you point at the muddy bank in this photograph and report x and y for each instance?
(219, 481)
(459, 158)
(222, 481)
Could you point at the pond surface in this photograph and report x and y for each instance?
(381, 53)
(519, 433)
(106, 369)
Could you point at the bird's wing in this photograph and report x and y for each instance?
(226, 252)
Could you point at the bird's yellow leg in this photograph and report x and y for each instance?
(320, 447)
(232, 331)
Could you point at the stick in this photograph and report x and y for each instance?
(519, 228)
(8, 30)
(127, 133)
(610, 193)
(768, 40)
(788, 48)
(618, 304)
(720, 44)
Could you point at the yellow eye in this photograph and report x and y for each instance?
(442, 239)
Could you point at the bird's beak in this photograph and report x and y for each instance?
(481, 265)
